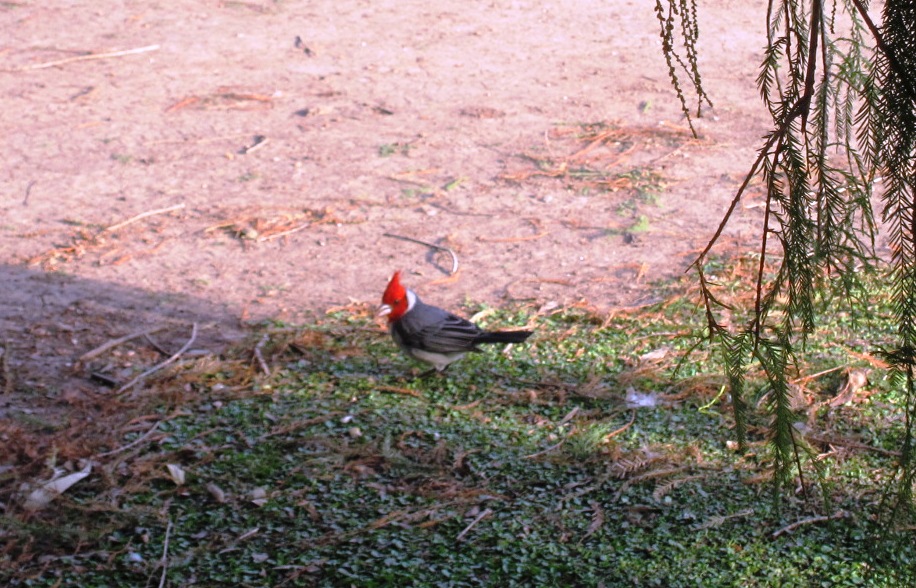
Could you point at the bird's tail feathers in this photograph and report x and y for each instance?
(503, 337)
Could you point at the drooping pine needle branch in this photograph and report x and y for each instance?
(842, 96)
(684, 11)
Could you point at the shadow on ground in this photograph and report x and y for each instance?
(48, 321)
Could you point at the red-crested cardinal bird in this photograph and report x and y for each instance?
(433, 335)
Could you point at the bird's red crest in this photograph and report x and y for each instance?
(395, 299)
(395, 290)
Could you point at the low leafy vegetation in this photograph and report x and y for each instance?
(601, 453)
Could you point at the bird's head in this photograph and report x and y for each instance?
(396, 300)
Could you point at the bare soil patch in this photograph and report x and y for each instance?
(228, 162)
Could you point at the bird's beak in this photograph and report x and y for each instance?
(384, 310)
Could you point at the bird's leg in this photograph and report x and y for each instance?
(431, 371)
(427, 374)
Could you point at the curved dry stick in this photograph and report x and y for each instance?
(301, 227)
(258, 355)
(165, 554)
(142, 216)
(159, 366)
(840, 514)
(115, 342)
(487, 512)
(548, 450)
(433, 245)
(57, 62)
(134, 443)
(28, 192)
(616, 432)
(5, 376)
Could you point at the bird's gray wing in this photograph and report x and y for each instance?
(438, 331)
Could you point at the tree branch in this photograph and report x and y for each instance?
(885, 48)
(813, 34)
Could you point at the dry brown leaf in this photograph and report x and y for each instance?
(216, 492)
(855, 381)
(176, 473)
(43, 495)
(597, 520)
(654, 355)
(259, 496)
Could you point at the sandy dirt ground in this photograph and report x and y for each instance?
(223, 163)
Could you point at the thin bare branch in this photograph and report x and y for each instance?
(548, 450)
(159, 366)
(133, 443)
(840, 514)
(433, 245)
(28, 192)
(165, 554)
(259, 356)
(629, 424)
(108, 55)
(813, 38)
(484, 514)
(285, 233)
(142, 216)
(115, 342)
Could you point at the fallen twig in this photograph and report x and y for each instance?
(623, 428)
(248, 534)
(718, 521)
(259, 141)
(28, 192)
(115, 342)
(473, 404)
(295, 426)
(548, 450)
(142, 216)
(805, 379)
(161, 365)
(285, 233)
(57, 62)
(534, 237)
(433, 245)
(260, 357)
(487, 512)
(155, 345)
(852, 445)
(135, 442)
(5, 374)
(165, 554)
(840, 514)
(398, 390)
(186, 101)
(569, 416)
